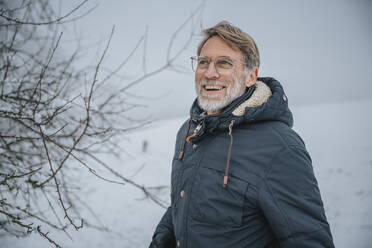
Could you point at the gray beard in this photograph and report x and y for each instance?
(233, 91)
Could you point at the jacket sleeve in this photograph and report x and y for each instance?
(165, 225)
(290, 200)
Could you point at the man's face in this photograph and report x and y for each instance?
(217, 90)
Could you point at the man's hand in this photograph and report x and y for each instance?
(163, 240)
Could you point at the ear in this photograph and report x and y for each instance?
(251, 78)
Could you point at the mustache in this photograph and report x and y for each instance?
(213, 82)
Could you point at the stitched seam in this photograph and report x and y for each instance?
(280, 136)
(197, 166)
(288, 149)
(297, 234)
(179, 139)
(284, 141)
(270, 190)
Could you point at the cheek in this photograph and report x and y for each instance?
(227, 79)
(198, 78)
(197, 86)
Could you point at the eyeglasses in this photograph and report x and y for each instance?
(223, 65)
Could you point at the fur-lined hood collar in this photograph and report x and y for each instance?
(263, 101)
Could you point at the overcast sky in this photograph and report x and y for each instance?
(321, 51)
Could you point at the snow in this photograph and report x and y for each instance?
(337, 135)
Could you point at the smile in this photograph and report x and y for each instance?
(213, 87)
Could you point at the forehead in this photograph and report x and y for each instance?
(216, 47)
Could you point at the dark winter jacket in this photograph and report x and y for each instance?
(243, 178)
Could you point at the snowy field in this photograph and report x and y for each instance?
(338, 137)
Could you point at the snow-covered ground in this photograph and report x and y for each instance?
(338, 137)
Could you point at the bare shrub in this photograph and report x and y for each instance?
(53, 117)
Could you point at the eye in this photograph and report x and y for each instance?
(224, 63)
(202, 61)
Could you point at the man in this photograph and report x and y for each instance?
(241, 177)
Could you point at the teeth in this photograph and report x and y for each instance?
(213, 87)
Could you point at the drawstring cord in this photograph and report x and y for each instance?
(188, 138)
(226, 177)
(197, 129)
(191, 136)
(180, 156)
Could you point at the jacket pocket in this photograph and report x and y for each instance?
(214, 204)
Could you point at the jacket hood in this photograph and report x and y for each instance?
(264, 101)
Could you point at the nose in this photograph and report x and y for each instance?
(211, 72)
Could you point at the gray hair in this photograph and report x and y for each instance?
(235, 37)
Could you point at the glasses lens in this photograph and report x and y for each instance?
(224, 65)
(199, 63)
(203, 63)
(194, 63)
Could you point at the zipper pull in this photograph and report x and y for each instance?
(197, 129)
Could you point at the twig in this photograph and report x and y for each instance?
(141, 187)
(58, 20)
(45, 235)
(57, 185)
(88, 104)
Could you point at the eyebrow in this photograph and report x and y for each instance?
(220, 57)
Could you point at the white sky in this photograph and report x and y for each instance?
(319, 50)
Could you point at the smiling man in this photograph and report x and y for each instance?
(241, 177)
(217, 86)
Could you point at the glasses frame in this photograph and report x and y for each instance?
(196, 58)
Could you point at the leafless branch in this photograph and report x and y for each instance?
(77, 227)
(56, 121)
(45, 235)
(57, 20)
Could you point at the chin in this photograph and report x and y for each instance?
(212, 104)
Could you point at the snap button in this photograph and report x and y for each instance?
(178, 243)
(182, 193)
(194, 146)
(284, 98)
